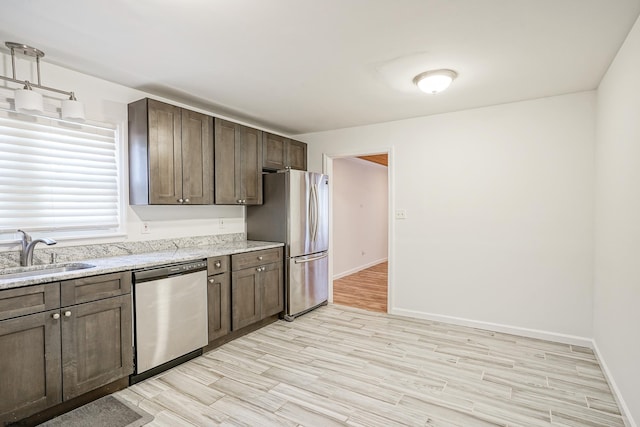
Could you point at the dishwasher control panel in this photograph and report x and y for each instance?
(185, 268)
(163, 271)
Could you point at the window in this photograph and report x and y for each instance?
(56, 175)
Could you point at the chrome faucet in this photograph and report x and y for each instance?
(28, 245)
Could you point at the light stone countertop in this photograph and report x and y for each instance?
(137, 261)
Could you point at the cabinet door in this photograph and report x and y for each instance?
(29, 300)
(245, 298)
(165, 153)
(93, 288)
(274, 152)
(225, 162)
(29, 365)
(297, 155)
(96, 344)
(218, 305)
(197, 158)
(249, 166)
(272, 289)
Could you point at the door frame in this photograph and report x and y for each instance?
(327, 168)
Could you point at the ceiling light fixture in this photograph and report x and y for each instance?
(434, 81)
(29, 101)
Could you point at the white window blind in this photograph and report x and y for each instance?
(56, 175)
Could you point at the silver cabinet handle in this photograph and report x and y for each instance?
(238, 201)
(260, 258)
(212, 281)
(186, 200)
(218, 264)
(259, 269)
(180, 201)
(55, 316)
(67, 314)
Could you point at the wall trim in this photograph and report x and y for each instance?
(626, 413)
(359, 268)
(497, 327)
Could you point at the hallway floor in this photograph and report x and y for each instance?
(366, 289)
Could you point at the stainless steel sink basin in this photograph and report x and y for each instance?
(41, 270)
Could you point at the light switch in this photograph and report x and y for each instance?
(401, 214)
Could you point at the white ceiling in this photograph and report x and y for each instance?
(308, 65)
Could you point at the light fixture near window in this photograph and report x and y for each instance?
(29, 101)
(435, 81)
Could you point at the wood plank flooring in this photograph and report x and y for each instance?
(339, 366)
(366, 289)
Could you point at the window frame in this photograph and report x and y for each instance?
(9, 236)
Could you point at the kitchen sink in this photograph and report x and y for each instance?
(41, 270)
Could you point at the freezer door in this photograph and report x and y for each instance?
(308, 284)
(308, 209)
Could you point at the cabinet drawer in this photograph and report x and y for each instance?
(85, 289)
(255, 258)
(217, 265)
(29, 299)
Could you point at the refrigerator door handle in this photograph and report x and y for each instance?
(315, 206)
(313, 212)
(317, 211)
(310, 213)
(311, 259)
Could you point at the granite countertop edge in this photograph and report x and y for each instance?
(141, 260)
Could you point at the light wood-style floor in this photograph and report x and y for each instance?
(366, 289)
(343, 366)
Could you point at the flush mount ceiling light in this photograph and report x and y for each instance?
(434, 81)
(29, 101)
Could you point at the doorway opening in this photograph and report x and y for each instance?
(360, 230)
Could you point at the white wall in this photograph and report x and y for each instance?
(107, 102)
(500, 211)
(360, 215)
(617, 260)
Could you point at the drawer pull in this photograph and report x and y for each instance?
(218, 264)
(67, 314)
(55, 316)
(260, 258)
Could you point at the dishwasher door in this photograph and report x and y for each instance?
(171, 318)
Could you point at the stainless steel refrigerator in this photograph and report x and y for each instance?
(296, 212)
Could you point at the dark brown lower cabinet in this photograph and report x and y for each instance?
(245, 298)
(30, 369)
(271, 279)
(96, 344)
(51, 356)
(218, 305)
(256, 292)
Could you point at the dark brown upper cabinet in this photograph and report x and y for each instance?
(238, 164)
(279, 153)
(170, 155)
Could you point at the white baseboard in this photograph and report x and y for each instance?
(628, 419)
(359, 268)
(514, 330)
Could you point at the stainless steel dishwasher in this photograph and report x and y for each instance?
(170, 316)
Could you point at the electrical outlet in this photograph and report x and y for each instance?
(221, 223)
(401, 214)
(145, 229)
